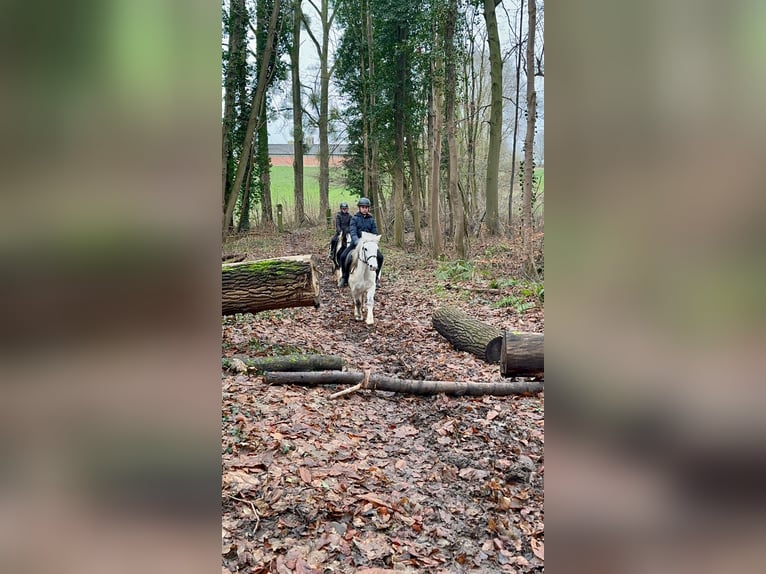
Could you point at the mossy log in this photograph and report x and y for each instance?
(384, 383)
(253, 286)
(522, 355)
(468, 334)
(288, 363)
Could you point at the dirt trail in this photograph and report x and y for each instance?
(376, 479)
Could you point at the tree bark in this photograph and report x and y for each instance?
(300, 214)
(515, 121)
(434, 182)
(254, 286)
(384, 383)
(496, 115)
(450, 97)
(529, 141)
(468, 334)
(522, 355)
(289, 363)
(324, 109)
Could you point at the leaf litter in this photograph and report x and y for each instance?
(378, 481)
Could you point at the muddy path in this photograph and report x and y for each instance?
(377, 479)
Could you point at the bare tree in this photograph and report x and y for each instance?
(450, 89)
(326, 18)
(529, 162)
(496, 115)
(435, 145)
(515, 119)
(300, 214)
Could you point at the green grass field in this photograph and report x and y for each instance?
(282, 190)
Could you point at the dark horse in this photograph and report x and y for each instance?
(337, 245)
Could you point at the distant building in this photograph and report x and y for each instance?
(282, 154)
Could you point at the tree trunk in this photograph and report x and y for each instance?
(235, 70)
(468, 334)
(384, 383)
(253, 286)
(415, 188)
(400, 113)
(450, 95)
(244, 215)
(436, 153)
(529, 159)
(522, 355)
(287, 363)
(300, 211)
(264, 166)
(496, 115)
(515, 121)
(324, 111)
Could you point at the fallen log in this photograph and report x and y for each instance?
(253, 286)
(285, 363)
(468, 334)
(384, 383)
(233, 258)
(522, 355)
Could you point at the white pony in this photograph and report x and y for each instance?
(361, 280)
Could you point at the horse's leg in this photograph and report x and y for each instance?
(357, 306)
(370, 303)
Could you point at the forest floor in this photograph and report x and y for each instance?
(378, 481)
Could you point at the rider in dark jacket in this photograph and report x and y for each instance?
(362, 221)
(342, 222)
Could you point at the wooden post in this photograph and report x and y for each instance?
(329, 217)
(279, 218)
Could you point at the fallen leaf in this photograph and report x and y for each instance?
(538, 548)
(305, 474)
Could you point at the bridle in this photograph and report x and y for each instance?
(367, 256)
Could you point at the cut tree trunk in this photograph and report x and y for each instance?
(253, 286)
(384, 383)
(468, 334)
(287, 363)
(522, 355)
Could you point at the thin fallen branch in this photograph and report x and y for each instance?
(250, 502)
(384, 383)
(363, 385)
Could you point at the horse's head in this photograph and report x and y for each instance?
(368, 250)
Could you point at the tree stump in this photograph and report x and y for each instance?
(468, 334)
(522, 355)
(253, 286)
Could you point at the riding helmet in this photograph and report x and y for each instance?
(344, 205)
(363, 201)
